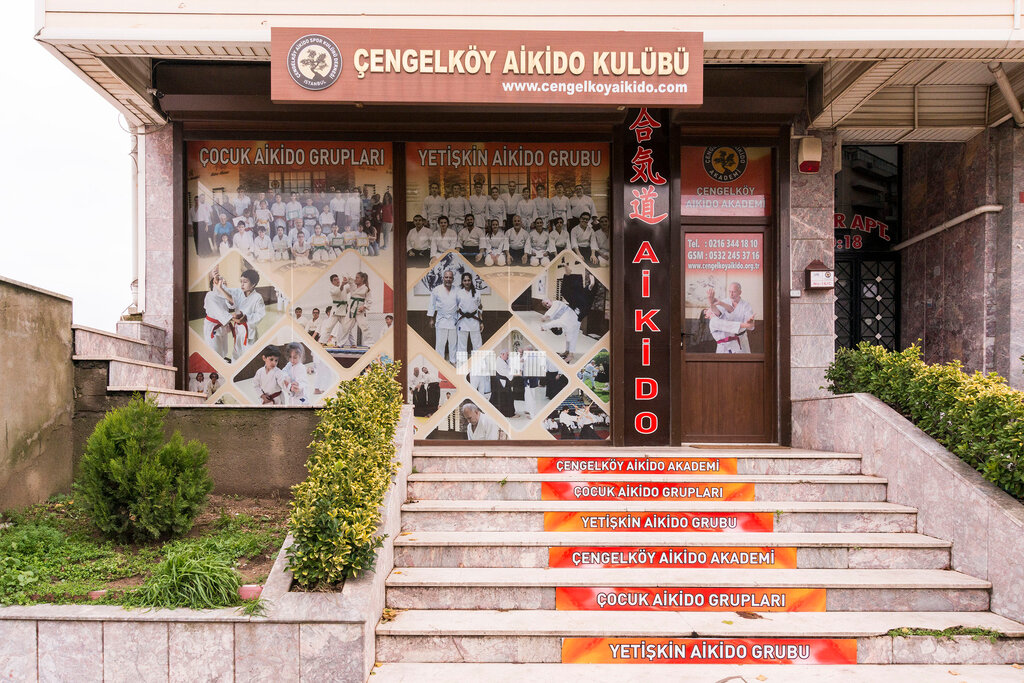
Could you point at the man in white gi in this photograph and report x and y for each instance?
(561, 315)
(560, 203)
(204, 218)
(419, 238)
(300, 319)
(516, 239)
(443, 312)
(559, 236)
(199, 384)
(278, 209)
(496, 208)
(250, 309)
(511, 200)
(313, 324)
(293, 213)
(478, 205)
(456, 207)
(241, 203)
(729, 321)
(337, 207)
(354, 315)
(542, 203)
(479, 427)
(353, 208)
(444, 239)
(581, 238)
(327, 324)
(339, 307)
(433, 205)
(470, 236)
(601, 244)
(580, 202)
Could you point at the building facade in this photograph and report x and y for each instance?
(551, 260)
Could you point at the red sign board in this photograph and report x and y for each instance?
(726, 181)
(393, 66)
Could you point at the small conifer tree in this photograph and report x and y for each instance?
(133, 485)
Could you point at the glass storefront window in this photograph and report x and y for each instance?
(508, 270)
(290, 267)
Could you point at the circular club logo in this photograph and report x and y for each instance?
(314, 62)
(725, 164)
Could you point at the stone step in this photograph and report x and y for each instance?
(126, 372)
(524, 486)
(164, 397)
(692, 673)
(544, 549)
(536, 636)
(146, 332)
(517, 460)
(854, 590)
(538, 515)
(100, 343)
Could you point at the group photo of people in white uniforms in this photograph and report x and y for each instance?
(508, 265)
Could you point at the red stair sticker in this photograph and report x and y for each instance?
(690, 599)
(738, 557)
(637, 465)
(633, 490)
(709, 651)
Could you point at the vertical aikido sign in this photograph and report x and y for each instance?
(647, 277)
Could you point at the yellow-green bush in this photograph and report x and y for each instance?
(976, 416)
(335, 512)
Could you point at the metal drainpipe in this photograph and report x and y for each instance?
(1007, 90)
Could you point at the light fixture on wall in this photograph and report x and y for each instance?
(809, 154)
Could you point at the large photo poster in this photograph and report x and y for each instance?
(290, 267)
(508, 250)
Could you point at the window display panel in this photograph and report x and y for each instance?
(290, 267)
(724, 297)
(508, 269)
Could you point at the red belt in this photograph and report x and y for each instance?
(217, 325)
(270, 398)
(728, 339)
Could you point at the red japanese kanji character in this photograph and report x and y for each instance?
(643, 206)
(644, 125)
(642, 171)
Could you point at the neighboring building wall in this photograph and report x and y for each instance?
(812, 315)
(963, 289)
(36, 398)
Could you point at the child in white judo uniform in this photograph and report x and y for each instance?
(217, 329)
(297, 377)
(270, 381)
(250, 309)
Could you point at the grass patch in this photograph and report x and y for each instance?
(973, 631)
(50, 553)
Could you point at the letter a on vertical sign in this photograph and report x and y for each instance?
(647, 289)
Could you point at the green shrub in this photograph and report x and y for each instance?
(189, 576)
(134, 486)
(335, 512)
(976, 416)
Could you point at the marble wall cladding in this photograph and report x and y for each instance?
(962, 289)
(954, 502)
(812, 318)
(266, 652)
(201, 652)
(134, 652)
(162, 255)
(331, 652)
(473, 521)
(17, 651)
(70, 651)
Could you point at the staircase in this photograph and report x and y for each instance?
(129, 362)
(685, 563)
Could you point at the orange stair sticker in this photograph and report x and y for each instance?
(690, 599)
(709, 651)
(642, 490)
(635, 465)
(738, 557)
(749, 522)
